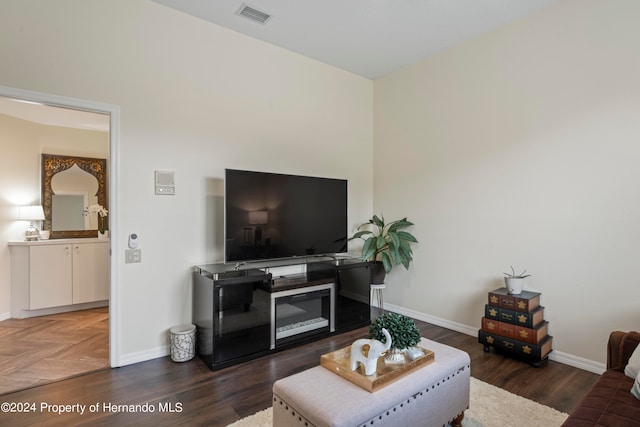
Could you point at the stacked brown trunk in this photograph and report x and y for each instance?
(515, 324)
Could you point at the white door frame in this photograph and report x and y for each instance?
(114, 165)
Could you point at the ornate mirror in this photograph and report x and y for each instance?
(70, 185)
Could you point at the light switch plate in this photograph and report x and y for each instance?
(132, 256)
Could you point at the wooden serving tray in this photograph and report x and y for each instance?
(339, 362)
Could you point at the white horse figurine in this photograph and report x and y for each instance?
(376, 349)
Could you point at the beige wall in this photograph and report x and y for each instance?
(22, 143)
(521, 148)
(518, 147)
(195, 99)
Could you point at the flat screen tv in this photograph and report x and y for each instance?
(271, 215)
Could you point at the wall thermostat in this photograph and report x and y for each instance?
(133, 241)
(165, 183)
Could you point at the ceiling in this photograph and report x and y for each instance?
(367, 37)
(54, 116)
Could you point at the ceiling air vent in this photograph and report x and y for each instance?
(253, 14)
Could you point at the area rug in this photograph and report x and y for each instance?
(489, 406)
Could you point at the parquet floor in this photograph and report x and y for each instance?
(43, 349)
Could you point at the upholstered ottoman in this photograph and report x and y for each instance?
(434, 395)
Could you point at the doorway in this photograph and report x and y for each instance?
(107, 315)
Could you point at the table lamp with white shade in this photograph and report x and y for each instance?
(31, 213)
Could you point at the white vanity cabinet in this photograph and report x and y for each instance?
(90, 272)
(50, 281)
(51, 276)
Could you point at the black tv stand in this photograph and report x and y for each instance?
(246, 311)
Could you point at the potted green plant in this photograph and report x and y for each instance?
(403, 331)
(386, 244)
(515, 282)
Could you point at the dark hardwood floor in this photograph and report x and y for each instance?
(190, 394)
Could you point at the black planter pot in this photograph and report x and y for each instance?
(377, 273)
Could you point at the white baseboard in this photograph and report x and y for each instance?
(454, 326)
(556, 356)
(24, 314)
(143, 356)
(578, 362)
(5, 316)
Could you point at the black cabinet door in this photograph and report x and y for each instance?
(242, 319)
(352, 297)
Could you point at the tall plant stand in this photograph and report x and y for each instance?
(377, 299)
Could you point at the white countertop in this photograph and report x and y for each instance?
(59, 241)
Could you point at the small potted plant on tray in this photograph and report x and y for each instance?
(403, 331)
